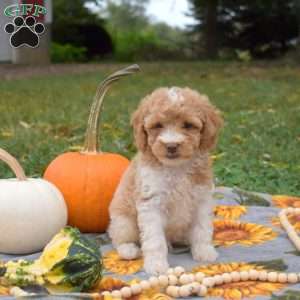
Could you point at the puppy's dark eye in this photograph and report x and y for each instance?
(157, 126)
(188, 125)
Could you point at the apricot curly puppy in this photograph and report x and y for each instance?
(165, 196)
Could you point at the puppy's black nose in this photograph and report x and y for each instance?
(172, 148)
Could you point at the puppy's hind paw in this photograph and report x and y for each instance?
(205, 253)
(155, 266)
(129, 251)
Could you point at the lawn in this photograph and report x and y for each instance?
(44, 115)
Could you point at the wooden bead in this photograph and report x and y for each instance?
(195, 287)
(172, 280)
(292, 278)
(136, 289)
(192, 277)
(272, 277)
(244, 275)
(178, 271)
(289, 210)
(297, 244)
(253, 274)
(163, 280)
(126, 292)
(218, 279)
(173, 291)
(116, 294)
(153, 281)
(281, 213)
(208, 281)
(226, 277)
(170, 271)
(235, 276)
(145, 284)
(106, 293)
(202, 291)
(293, 235)
(282, 277)
(199, 276)
(297, 210)
(185, 291)
(263, 275)
(185, 279)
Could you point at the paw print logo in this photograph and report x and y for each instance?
(24, 32)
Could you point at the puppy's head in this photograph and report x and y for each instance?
(174, 124)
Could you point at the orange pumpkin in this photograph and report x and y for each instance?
(88, 179)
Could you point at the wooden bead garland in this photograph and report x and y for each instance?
(285, 223)
(198, 283)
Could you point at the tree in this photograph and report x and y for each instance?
(136, 37)
(125, 14)
(66, 11)
(74, 23)
(206, 14)
(264, 27)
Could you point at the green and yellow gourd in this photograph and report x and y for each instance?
(69, 263)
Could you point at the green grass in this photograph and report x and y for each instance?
(259, 145)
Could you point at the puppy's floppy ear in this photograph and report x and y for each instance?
(213, 122)
(140, 134)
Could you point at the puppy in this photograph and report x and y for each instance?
(165, 196)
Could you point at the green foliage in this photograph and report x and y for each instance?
(125, 15)
(295, 252)
(74, 24)
(143, 45)
(287, 295)
(44, 116)
(244, 56)
(264, 28)
(136, 38)
(67, 53)
(275, 264)
(250, 199)
(71, 11)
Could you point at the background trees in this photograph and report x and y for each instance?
(134, 35)
(265, 28)
(224, 29)
(77, 32)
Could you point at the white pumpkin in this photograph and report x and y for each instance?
(32, 211)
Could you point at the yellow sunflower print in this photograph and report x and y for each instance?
(229, 232)
(238, 290)
(4, 291)
(108, 283)
(114, 263)
(284, 201)
(293, 219)
(229, 211)
(153, 294)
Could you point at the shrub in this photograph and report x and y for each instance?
(61, 53)
(93, 37)
(144, 45)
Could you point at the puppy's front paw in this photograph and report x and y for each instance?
(129, 251)
(204, 253)
(155, 265)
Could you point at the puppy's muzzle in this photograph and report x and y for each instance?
(172, 150)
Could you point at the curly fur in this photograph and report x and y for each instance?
(165, 196)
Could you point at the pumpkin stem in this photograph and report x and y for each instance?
(13, 164)
(91, 137)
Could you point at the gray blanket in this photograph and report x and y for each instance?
(248, 235)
